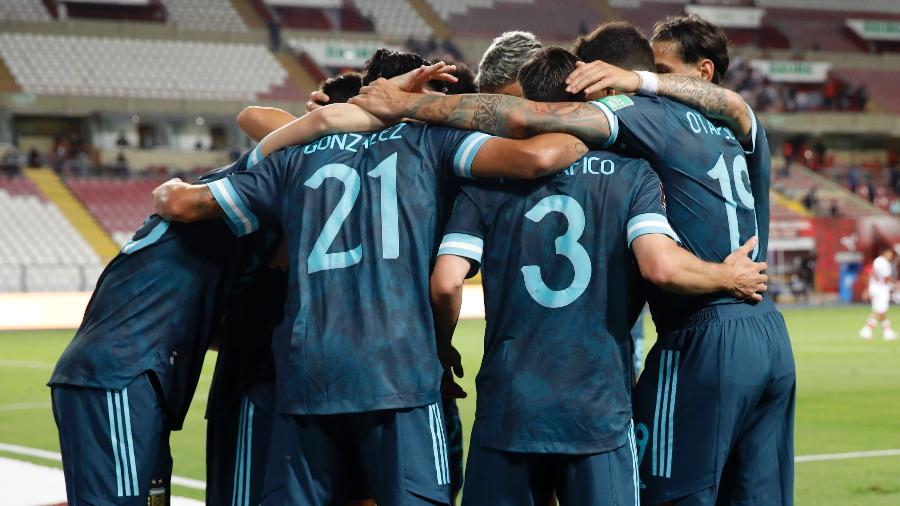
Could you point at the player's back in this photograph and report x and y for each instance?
(362, 214)
(156, 303)
(561, 294)
(703, 168)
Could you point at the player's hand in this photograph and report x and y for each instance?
(747, 279)
(450, 388)
(317, 99)
(161, 196)
(598, 75)
(450, 359)
(414, 81)
(383, 98)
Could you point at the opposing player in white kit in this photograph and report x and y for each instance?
(880, 284)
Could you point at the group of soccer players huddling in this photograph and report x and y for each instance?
(327, 267)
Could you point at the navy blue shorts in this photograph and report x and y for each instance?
(454, 444)
(501, 478)
(237, 446)
(714, 409)
(398, 457)
(114, 444)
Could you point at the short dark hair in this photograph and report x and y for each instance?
(342, 88)
(697, 39)
(543, 76)
(617, 43)
(387, 64)
(465, 80)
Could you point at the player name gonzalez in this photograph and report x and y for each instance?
(352, 142)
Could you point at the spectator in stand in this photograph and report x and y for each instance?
(34, 158)
(881, 200)
(121, 141)
(853, 179)
(811, 199)
(787, 151)
(121, 167)
(11, 162)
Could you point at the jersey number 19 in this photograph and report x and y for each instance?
(720, 173)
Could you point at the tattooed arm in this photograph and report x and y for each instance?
(176, 200)
(712, 100)
(500, 115)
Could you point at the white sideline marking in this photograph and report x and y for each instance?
(24, 406)
(57, 457)
(848, 455)
(45, 485)
(26, 364)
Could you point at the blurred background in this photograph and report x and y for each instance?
(101, 100)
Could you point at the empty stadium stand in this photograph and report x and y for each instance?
(24, 10)
(40, 250)
(119, 67)
(204, 15)
(394, 18)
(120, 205)
(549, 19)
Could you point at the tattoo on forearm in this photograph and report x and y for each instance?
(710, 99)
(206, 205)
(485, 116)
(512, 117)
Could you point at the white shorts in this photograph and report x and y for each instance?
(881, 299)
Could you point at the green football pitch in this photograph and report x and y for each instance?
(848, 400)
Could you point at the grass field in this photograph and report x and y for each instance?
(848, 400)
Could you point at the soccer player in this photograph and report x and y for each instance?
(241, 403)
(724, 450)
(554, 409)
(127, 378)
(880, 295)
(500, 63)
(357, 374)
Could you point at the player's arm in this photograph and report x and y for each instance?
(326, 120)
(672, 268)
(526, 158)
(258, 122)
(447, 280)
(176, 200)
(712, 100)
(500, 115)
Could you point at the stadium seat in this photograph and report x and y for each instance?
(549, 19)
(40, 250)
(119, 67)
(24, 10)
(394, 18)
(204, 15)
(120, 205)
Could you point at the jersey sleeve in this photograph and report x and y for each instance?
(248, 196)
(459, 149)
(637, 122)
(647, 213)
(464, 232)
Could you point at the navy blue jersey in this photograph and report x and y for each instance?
(244, 365)
(157, 303)
(362, 216)
(711, 201)
(561, 295)
(759, 162)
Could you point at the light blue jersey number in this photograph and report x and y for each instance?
(319, 259)
(568, 246)
(720, 173)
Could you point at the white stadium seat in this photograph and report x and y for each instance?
(24, 10)
(84, 66)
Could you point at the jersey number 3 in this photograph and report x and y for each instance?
(319, 259)
(568, 246)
